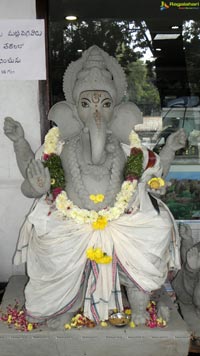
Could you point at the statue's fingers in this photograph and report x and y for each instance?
(29, 173)
(9, 120)
(40, 168)
(47, 174)
(37, 167)
(183, 139)
(8, 126)
(33, 167)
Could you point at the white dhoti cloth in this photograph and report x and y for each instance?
(144, 244)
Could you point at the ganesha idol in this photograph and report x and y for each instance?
(96, 224)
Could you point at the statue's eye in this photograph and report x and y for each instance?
(84, 104)
(107, 104)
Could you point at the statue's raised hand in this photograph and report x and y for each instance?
(177, 140)
(38, 177)
(13, 129)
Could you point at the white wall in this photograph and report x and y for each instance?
(18, 99)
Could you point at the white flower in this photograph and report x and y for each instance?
(83, 216)
(50, 148)
(51, 142)
(113, 213)
(134, 140)
(62, 202)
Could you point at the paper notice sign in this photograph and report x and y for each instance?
(22, 50)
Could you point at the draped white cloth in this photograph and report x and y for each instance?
(145, 244)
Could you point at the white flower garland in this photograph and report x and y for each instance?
(52, 142)
(83, 216)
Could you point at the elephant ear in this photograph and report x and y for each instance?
(65, 118)
(125, 117)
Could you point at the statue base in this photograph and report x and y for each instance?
(192, 320)
(172, 340)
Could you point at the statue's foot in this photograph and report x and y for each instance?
(163, 311)
(139, 318)
(138, 301)
(58, 322)
(32, 320)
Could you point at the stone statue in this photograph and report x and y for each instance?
(187, 281)
(104, 226)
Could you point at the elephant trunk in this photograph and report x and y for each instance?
(97, 132)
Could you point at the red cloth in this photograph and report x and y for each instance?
(152, 159)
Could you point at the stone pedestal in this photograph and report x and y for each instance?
(112, 341)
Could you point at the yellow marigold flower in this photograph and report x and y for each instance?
(100, 223)
(161, 322)
(132, 324)
(98, 253)
(105, 259)
(30, 327)
(128, 312)
(98, 198)
(9, 320)
(90, 254)
(104, 324)
(156, 183)
(53, 181)
(67, 326)
(77, 316)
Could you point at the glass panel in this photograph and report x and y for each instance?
(159, 49)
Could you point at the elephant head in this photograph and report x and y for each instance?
(94, 87)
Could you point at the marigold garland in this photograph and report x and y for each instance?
(98, 220)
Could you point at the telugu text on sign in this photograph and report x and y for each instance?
(22, 50)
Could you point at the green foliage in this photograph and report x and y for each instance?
(121, 39)
(56, 171)
(141, 89)
(134, 165)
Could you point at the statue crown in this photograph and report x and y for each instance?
(95, 70)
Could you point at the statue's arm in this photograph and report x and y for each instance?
(36, 177)
(175, 141)
(14, 131)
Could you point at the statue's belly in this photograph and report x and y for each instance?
(81, 195)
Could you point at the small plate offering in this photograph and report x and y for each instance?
(119, 319)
